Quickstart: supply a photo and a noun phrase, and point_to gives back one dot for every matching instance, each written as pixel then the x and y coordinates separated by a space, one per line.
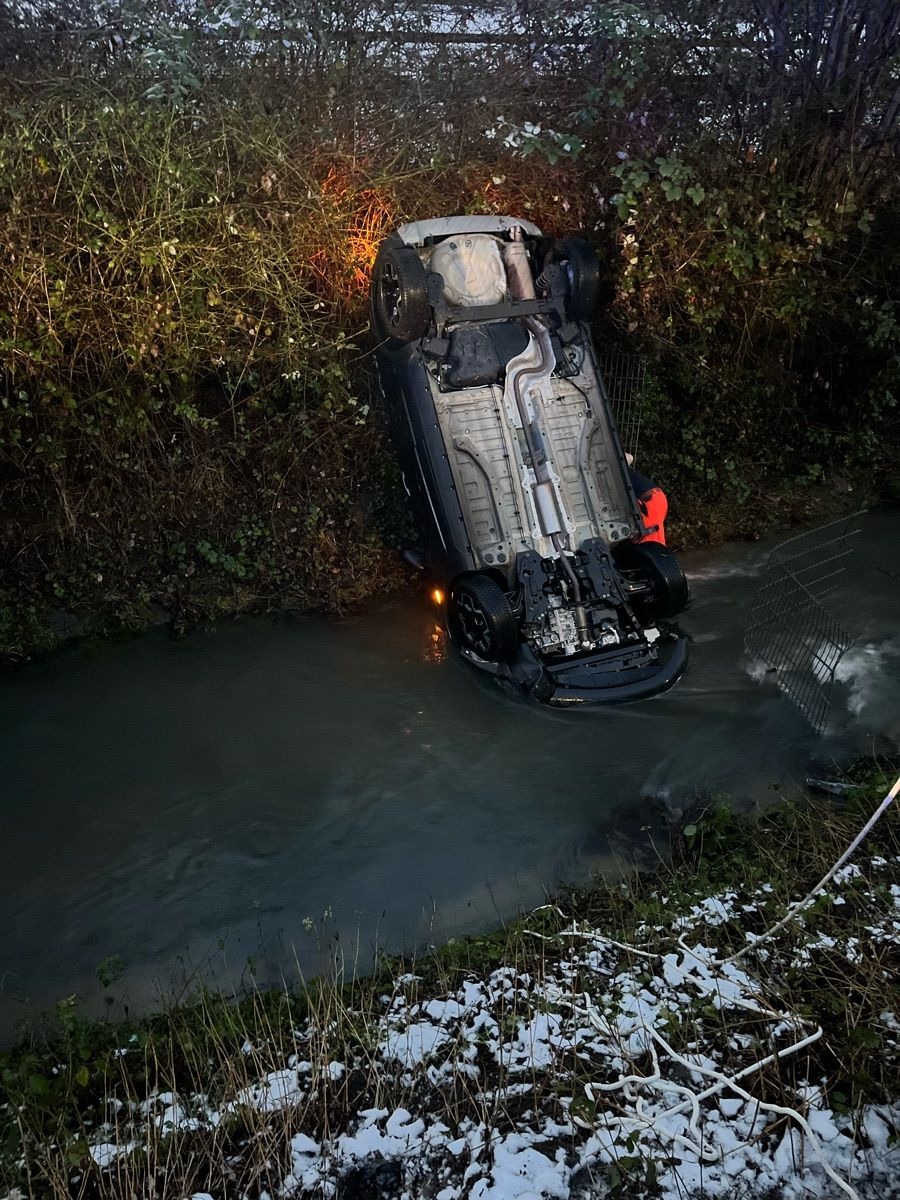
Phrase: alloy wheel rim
pixel 391 296
pixel 473 624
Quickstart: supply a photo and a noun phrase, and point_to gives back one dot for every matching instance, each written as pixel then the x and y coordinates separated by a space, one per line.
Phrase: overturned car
pixel 519 483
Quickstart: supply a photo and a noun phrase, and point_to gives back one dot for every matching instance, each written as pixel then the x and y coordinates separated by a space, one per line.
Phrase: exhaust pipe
pixel 544 494
pixel 518 272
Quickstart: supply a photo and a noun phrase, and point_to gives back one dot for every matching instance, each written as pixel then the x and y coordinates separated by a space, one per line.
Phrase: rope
pixel 826 879
pixel 629 1085
pixel 728 1081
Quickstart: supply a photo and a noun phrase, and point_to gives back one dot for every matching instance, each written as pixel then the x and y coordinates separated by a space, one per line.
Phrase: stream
pixel 277 792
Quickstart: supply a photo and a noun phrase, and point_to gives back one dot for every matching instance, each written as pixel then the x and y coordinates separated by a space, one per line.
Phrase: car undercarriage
pixel 497 407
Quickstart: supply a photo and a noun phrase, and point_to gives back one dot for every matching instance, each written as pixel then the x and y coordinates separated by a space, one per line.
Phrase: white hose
pixel 779 1109
pixel 630 1084
pixel 826 878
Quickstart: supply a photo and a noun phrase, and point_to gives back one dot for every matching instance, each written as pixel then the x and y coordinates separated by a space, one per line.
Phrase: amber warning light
pixel 437 596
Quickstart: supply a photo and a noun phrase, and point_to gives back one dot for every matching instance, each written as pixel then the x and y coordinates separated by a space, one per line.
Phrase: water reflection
pixel 435 645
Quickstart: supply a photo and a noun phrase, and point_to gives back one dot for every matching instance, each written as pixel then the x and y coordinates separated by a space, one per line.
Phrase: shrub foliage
pixel 191 201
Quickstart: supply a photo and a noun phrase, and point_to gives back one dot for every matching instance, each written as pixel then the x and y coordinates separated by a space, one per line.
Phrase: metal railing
pixel 790 629
pixel 624 376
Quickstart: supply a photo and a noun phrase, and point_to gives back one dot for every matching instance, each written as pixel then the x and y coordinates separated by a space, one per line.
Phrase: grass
pixel 788 849
pixel 78 1083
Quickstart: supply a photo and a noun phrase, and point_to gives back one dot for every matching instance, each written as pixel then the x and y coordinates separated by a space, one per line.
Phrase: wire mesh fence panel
pixel 790 629
pixel 624 376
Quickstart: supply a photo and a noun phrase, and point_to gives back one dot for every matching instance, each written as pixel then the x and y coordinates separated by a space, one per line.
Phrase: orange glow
pixel 355 217
pixel 434 650
pixel 437 596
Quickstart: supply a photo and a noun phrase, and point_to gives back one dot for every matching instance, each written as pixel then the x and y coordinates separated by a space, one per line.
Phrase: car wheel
pixel 582 270
pixel 481 619
pixel 668 594
pixel 400 308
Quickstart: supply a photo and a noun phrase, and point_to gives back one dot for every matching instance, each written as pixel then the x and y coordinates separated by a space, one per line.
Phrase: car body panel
pixel 487 462
pixel 417 233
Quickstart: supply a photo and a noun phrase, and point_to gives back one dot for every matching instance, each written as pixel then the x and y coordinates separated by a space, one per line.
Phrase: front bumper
pixel 611 677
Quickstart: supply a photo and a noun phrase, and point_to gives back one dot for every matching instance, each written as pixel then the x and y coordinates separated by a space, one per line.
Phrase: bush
pixel 187 387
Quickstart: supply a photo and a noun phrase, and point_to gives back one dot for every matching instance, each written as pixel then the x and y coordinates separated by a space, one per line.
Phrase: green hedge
pixel 189 418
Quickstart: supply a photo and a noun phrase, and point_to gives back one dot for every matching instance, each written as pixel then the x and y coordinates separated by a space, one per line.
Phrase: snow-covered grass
pixel 601 1046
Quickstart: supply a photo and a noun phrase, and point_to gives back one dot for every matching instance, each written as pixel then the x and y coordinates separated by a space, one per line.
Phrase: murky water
pixel 187 805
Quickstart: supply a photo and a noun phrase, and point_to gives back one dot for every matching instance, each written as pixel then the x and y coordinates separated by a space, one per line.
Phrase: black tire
pixel 668 594
pixel 481 619
pixel 400 311
pixel 582 269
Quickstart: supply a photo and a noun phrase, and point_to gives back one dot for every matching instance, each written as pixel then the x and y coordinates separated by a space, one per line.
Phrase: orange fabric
pixel 654 506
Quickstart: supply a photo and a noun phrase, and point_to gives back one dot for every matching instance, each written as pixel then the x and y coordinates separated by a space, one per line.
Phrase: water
pixel 282 789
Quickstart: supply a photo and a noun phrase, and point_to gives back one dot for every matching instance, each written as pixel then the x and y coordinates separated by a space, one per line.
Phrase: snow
pixel 522 1172
pixel 278 1090
pixel 877 1128
pixel 413 1044
pixel 401 1133
pixel 306 1166
pixel 657 1115
pixel 667 1075
pixel 104 1153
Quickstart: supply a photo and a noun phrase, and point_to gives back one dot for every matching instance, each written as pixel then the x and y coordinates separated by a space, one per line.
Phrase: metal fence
pixel 624 376
pixel 790 629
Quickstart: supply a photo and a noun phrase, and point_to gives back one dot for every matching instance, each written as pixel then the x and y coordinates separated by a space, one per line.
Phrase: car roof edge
pixel 415 233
